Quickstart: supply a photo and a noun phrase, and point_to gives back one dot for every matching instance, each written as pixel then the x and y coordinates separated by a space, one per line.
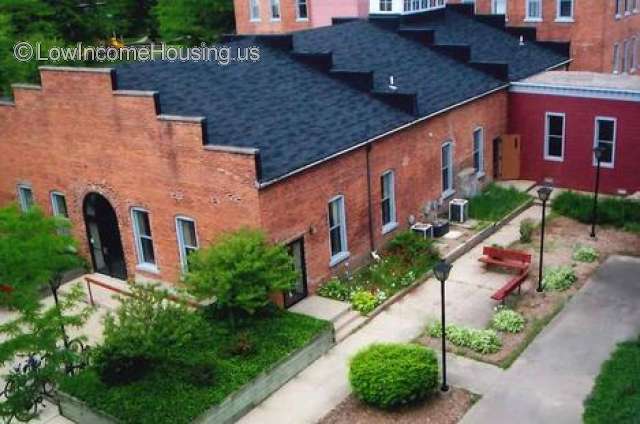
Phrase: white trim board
pixel 571 91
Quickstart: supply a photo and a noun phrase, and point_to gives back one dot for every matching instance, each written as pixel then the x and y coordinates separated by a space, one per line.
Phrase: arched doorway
pixel 103 234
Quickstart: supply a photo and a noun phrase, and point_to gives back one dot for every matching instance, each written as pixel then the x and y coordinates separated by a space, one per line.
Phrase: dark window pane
pixel 188 229
pixel 555 146
pixel 147 251
pixel 445 179
pixel 334 215
pixel 142 221
pixel 605 130
pixel 476 160
pixel 565 8
pixel 607 154
pixel 336 241
pixel 386 212
pixel 555 125
pixel 61 205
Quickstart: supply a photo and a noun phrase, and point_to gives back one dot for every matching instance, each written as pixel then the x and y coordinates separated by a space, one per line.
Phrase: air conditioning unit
pixel 458 210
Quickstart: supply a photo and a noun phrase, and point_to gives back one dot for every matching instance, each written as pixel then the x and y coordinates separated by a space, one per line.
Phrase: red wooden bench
pixel 5 288
pixel 510 259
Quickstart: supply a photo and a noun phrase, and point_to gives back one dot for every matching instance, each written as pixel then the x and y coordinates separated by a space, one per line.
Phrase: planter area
pixel 277 348
pixel 567 246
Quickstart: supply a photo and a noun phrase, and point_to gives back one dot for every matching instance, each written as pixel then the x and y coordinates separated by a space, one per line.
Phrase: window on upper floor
pixel 605 137
pixel 275 10
pixel 254 10
pixel 25 197
pixel 143 238
pixel 616 58
pixel 388 203
pixel 624 68
pixel 499 7
pixel 187 239
pixel 619 7
pixel 59 205
pixel 478 151
pixel 635 46
pixel 565 10
pixel 533 10
pixel 447 169
pixel 386 5
pixel 627 6
pixel 337 230
pixel 302 11
pixel 554 136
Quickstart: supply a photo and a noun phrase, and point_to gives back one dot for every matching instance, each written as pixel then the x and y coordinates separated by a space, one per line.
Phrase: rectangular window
pixel 275 10
pixel 534 12
pixel 478 151
pixel 59 205
pixel 337 230
pixel 565 9
pixel 605 136
pixel 301 10
pixel 619 7
pixel 625 57
pixel 554 136
pixel 144 241
pixel 616 58
pixel 447 169
pixel 254 9
pixel 386 5
pixel 499 7
pixel 25 197
pixel 187 239
pixel 387 183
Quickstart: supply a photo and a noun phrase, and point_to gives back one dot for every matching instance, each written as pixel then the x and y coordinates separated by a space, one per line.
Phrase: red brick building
pixel 604 34
pixel 562 116
pixel 328 161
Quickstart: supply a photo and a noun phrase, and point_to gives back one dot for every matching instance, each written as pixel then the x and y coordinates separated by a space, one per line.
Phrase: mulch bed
pixel 441 408
pixel 561 236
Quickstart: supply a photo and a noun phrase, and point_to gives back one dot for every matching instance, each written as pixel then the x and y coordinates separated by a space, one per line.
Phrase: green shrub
pixel 508 321
pixel 585 254
pixel 364 302
pixel 526 230
pixel 620 213
pixel 481 341
pixel 558 278
pixel 495 202
pixel 416 252
pixel 335 289
pixel 390 375
pixel 616 394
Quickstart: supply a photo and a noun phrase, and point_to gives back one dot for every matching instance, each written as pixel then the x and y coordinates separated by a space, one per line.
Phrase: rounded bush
pixel 389 375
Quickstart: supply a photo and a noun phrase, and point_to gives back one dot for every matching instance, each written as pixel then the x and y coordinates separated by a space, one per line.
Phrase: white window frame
pixel 494 6
pixel 344 253
pixel 137 237
pixel 480 172
pixel 385 5
pixel 616 58
pixel 624 63
pixel 559 8
pixel 528 17
pixel 306 6
pixel 450 190
pixel 619 8
pixel 272 5
pixel 54 206
pixel 596 141
pixel 22 200
pixel 391 198
pixel 547 115
pixel 182 246
pixel 254 6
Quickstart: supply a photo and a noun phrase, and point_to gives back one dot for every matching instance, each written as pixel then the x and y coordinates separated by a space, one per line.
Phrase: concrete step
pixel 348 325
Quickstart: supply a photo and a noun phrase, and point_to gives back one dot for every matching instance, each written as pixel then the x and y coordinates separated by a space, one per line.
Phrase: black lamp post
pixel 441 270
pixel 598 153
pixel 544 193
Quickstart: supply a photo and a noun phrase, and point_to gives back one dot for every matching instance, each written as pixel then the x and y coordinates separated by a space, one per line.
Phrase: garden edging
pixel 235 405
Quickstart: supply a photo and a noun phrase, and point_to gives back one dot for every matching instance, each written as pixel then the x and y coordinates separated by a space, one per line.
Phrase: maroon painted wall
pixel 527 118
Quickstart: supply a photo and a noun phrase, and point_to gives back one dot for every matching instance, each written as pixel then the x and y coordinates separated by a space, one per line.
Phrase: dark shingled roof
pixel 297 114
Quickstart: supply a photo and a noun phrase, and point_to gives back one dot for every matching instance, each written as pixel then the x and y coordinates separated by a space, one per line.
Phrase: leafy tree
pixel 190 22
pixel 131 17
pixel 34 252
pixel 80 21
pixel 240 271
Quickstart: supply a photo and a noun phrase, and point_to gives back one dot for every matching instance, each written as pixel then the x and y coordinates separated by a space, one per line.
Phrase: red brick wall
pixel 527 118
pixel 298 206
pixel 287 22
pixel 76 135
pixel 592 35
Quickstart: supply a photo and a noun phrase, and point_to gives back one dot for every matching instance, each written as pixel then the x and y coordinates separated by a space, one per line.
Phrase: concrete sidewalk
pixel 319 388
pixel 550 381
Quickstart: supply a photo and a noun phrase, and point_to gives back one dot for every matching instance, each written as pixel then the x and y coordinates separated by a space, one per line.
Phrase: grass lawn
pixel 615 212
pixel 168 394
pixel 616 395
pixel 495 202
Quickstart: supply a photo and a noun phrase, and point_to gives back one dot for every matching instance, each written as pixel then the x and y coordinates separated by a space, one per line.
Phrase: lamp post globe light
pixel 544 193
pixel 441 271
pixel 598 152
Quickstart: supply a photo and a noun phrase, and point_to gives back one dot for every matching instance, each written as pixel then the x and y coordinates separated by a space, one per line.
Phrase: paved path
pixel 549 382
pixel 320 387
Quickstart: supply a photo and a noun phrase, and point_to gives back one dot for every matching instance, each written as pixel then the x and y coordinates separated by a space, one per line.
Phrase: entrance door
pixel 104 236
pixel 299 291
pixel 510 157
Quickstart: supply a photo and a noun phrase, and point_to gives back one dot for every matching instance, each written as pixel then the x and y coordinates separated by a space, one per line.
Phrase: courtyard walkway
pixel 319 388
pixel 551 379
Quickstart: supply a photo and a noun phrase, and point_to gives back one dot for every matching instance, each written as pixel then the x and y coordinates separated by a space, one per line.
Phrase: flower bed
pixel 173 394
pixel 407 257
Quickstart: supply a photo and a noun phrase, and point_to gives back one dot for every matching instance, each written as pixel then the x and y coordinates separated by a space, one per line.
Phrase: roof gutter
pixel 378 137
